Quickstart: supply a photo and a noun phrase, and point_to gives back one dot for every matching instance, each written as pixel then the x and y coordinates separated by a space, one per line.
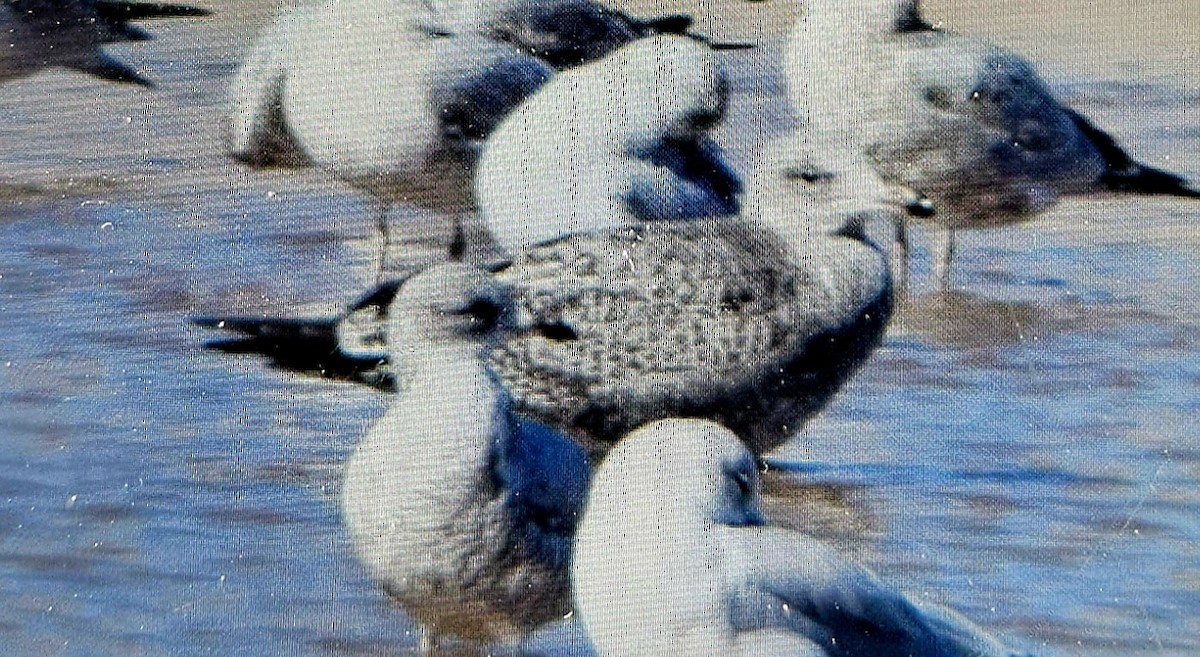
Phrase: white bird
pixel 397 98
pixel 41 34
pixel 969 127
pixel 354 87
pixel 462 511
pixel 613 143
pixel 672 557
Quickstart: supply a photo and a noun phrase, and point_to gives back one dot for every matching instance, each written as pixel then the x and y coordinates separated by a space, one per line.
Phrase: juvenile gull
pixel 614 143
pixel 966 125
pixel 41 34
pixel 460 509
pixel 755 322
pixel 672 557
pixel 716 318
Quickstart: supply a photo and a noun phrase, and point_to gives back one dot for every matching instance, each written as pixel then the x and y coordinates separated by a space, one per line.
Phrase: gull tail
pixel 305 346
pixel 107 68
pixel 257 130
pixel 121 11
pixel 1142 179
pixel 1125 175
pixel 681 25
pixel 665 24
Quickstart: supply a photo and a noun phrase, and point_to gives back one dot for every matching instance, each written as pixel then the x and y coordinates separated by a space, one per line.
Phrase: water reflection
pixel 965 320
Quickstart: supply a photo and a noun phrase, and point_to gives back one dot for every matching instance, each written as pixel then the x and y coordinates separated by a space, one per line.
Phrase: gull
pixel 397 98
pixel 42 34
pixel 614 143
pixel 969 127
pixel 353 87
pixel 672 557
pixel 717 318
pixel 460 509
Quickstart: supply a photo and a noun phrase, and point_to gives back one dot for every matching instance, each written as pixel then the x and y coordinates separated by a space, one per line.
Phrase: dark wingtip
pixel 122 11
pixel 730 45
pixel 309 359
pixel 668 24
pixel 1142 179
pixel 910 19
pixel 381 296
pixel 304 346
pixel 1125 175
pixel 133 33
pixel 271 327
pixel 112 70
pixel 236 324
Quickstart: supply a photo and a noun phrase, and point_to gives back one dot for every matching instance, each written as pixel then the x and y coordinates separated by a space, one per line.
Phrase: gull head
pixel 666 85
pixel 801 189
pixel 699 470
pixel 451 304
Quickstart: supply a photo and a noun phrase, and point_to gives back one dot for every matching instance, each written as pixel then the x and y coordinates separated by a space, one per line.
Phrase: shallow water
pixel 1022 450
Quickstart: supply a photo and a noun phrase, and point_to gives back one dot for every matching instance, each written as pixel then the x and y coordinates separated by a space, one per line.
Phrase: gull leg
pixel 458 243
pixel 428 642
pixel 945 256
pixel 383 208
pixel 900 257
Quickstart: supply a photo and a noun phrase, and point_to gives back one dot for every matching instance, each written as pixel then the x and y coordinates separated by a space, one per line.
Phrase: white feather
pixel 672 558
pixel 591 150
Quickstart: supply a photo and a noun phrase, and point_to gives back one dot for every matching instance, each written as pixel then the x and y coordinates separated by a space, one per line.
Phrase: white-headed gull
pixel 461 510
pixel 969 127
pixel 613 143
pixel 673 558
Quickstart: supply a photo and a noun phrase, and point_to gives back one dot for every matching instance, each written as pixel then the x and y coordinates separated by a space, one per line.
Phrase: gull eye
pixel 807 175
pixel 485 311
pixel 558 331
pixel 941 97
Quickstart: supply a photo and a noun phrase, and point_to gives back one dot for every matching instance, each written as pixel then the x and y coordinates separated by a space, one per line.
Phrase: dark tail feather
pixel 121 11
pixel 274 328
pixel 305 346
pixel 668 24
pixel 381 296
pixel 106 68
pixel 1126 175
pixel 1142 179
